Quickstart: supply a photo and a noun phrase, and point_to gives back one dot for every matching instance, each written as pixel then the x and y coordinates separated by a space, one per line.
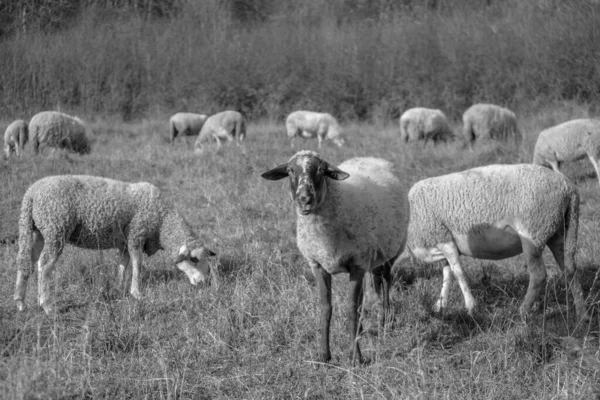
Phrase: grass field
pixel 252 332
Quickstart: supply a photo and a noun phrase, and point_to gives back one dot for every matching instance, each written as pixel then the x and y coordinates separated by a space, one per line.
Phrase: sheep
pixel 489 121
pixel 188 124
pixel 99 213
pixel 58 130
pixel 425 124
pixel 350 219
pixel 310 124
pixel 569 141
pixel 16 137
pixel 222 126
pixel 495 212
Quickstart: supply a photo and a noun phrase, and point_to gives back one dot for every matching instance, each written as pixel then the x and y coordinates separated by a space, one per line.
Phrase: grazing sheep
pixel 489 121
pixel 569 141
pixel 16 137
pixel 58 130
pixel 222 126
pixel 99 213
pixel 350 219
pixel 425 124
pixel 495 212
pixel 310 124
pixel 188 124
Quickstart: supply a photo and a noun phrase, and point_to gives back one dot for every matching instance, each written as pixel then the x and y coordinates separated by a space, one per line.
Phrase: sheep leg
pixel 319 139
pixel 46 264
pixel 447 280
pixel 382 278
pixel 23 273
pixel 135 253
pixel 450 251
pixel 323 279
pixel 566 261
pixel 537 275
pixel 123 263
pixel 594 162
pixel 352 316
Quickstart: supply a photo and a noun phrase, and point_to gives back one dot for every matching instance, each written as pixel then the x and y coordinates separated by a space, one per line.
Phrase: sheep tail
pixel 26 226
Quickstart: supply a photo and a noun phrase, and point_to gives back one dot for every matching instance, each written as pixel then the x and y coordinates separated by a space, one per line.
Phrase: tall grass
pixel 307 55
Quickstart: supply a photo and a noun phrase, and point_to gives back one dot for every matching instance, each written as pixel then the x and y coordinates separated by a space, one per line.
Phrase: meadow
pixel 251 333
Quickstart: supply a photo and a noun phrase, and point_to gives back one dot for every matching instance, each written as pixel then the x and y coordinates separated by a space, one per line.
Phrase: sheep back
pixel 58 130
pixel 568 141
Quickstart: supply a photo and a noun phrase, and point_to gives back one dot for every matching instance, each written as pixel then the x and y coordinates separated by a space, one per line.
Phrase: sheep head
pixel 194 263
pixel 307 172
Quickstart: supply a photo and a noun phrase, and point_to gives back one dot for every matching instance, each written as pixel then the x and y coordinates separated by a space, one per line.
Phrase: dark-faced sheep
pixel 99 213
pixel 350 219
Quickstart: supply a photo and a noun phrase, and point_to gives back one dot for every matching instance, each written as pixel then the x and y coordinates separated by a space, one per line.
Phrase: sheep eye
pixel 194 259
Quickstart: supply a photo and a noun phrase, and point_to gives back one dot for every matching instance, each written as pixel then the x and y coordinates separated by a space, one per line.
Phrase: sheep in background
pixel 225 125
pixel 495 212
pixel 58 130
pixel 16 137
pixel 310 124
pixel 99 213
pixel 186 124
pixel 350 219
pixel 569 141
pixel 425 124
pixel 489 121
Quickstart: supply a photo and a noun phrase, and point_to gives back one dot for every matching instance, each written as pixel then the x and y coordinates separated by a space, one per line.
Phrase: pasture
pixel 252 332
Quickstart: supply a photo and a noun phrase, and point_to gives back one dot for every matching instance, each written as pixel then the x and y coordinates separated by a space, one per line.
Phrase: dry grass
pixel 252 332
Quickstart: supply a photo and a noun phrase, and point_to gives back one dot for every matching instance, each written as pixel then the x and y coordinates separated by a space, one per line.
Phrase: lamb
pixel 489 121
pixel 569 141
pixel 16 137
pixel 58 130
pixel 188 124
pixel 99 213
pixel 425 124
pixel 310 124
pixel 495 212
pixel 222 126
pixel 350 219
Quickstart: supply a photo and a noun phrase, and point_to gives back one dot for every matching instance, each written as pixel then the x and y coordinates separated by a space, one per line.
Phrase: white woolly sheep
pixel 310 124
pixel 425 124
pixel 186 124
pixel 16 137
pixel 58 130
pixel 489 121
pixel 225 125
pixel 99 213
pixel 495 212
pixel 569 141
pixel 350 219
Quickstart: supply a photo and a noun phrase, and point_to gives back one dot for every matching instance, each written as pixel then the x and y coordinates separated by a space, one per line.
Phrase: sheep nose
pixel 305 199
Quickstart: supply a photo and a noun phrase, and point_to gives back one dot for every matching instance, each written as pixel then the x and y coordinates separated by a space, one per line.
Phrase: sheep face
pixel 307 172
pixel 194 263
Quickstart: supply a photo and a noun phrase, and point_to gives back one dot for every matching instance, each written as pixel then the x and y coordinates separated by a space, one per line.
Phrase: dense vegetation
pixel 356 59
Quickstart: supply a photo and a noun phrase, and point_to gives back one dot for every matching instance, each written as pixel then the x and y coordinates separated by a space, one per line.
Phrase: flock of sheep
pixel 354 218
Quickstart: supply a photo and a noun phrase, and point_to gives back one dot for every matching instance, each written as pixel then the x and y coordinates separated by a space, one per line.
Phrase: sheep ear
pixel 277 173
pixel 208 253
pixel 335 173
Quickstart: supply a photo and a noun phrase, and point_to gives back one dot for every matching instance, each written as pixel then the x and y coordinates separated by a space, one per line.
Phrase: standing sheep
pixel 425 124
pixel 99 213
pixel 225 125
pixel 16 137
pixel 350 219
pixel 310 124
pixel 569 141
pixel 187 124
pixel 489 121
pixel 58 130
pixel 495 212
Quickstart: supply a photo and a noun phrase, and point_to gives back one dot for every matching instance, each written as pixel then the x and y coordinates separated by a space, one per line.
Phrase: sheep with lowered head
pixel 222 126
pixel 99 213
pixel 425 124
pixel 569 141
pixel 310 124
pixel 489 121
pixel 495 212
pixel 16 137
pixel 186 124
pixel 350 219
pixel 58 130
